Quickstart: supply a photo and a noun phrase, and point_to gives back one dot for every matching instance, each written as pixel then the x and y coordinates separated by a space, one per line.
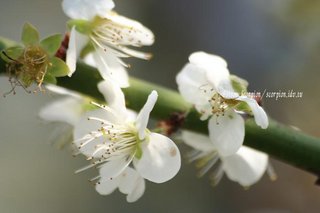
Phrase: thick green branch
pixel 281 142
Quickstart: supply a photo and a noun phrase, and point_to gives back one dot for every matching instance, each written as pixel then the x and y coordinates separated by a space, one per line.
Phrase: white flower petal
pixel 86 9
pixel 193 85
pixel 137 191
pixel 67 110
pixel 107 186
pixel 62 91
pixel 227 132
pixel 112 169
pixel 128 178
pixel 215 67
pixel 246 166
pixel 130 32
pixel 132 184
pixel 110 67
pixel 197 141
pixel 131 116
pixel 160 159
pixel 114 98
pixel 226 90
pixel 76 42
pixel 203 59
pixel 143 116
pixel 260 115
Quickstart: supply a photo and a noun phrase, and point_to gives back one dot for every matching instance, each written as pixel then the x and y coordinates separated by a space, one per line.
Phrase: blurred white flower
pixel 87 9
pixel 205 82
pixel 129 182
pixel 113 138
pixel 67 109
pixel 106 35
pixel 65 112
pixel 246 166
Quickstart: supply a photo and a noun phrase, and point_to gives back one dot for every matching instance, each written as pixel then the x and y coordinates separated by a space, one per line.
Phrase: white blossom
pixel 205 82
pixel 114 137
pixel 129 182
pixel 67 109
pixel 64 113
pixel 246 166
pixel 108 33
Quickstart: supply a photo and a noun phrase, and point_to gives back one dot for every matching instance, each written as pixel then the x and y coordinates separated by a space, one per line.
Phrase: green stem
pixel 280 141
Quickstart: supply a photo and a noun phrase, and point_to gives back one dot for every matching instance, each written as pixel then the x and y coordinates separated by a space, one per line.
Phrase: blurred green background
pixel 274 44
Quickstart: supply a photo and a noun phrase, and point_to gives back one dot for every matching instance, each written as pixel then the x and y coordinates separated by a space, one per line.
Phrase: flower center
pixel 111 142
pixel 120 140
pixel 217 104
pixel 112 35
pixel 35 62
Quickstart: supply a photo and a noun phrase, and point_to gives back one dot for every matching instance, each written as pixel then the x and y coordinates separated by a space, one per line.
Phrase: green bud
pixel 36 61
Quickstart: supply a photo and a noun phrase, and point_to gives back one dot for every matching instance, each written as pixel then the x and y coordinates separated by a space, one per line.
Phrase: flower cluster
pixel 114 139
pixel 117 141
pixel 205 82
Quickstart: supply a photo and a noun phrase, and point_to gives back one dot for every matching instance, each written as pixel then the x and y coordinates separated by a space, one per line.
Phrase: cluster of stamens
pixel 206 161
pixel 30 67
pixel 218 104
pixel 119 141
pixel 109 35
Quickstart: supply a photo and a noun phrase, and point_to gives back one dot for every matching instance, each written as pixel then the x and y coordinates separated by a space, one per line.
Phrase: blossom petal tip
pixel 154 94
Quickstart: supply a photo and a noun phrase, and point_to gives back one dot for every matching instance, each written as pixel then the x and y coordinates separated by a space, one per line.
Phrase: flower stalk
pixel 280 141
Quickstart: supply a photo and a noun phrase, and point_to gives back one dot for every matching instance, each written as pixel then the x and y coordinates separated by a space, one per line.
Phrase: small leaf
pixel 48 78
pixel 6 43
pixel 58 67
pixel 51 44
pixel 11 54
pixel 30 35
pixel 239 85
pixel 82 26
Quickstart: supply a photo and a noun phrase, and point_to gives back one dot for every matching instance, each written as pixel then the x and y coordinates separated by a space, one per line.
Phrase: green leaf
pixel 48 78
pixel 11 54
pixel 51 44
pixel 30 35
pixel 58 67
pixel 239 85
pixel 82 26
